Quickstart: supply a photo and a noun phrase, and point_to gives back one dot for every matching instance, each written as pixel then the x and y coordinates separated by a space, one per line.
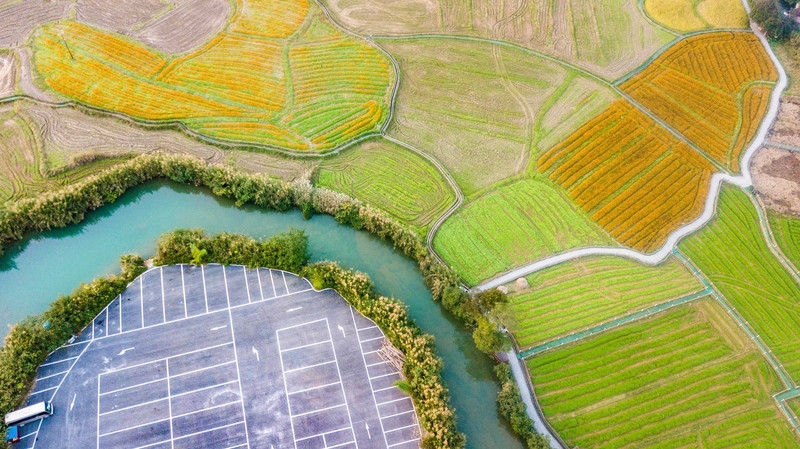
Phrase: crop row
pixel 390 177
pixel 733 254
pixel 337 92
pixel 254 77
pixel 512 225
pixel 269 18
pixel 754 107
pixel 699 86
pixel 575 295
pixel 633 177
pixel 656 382
pixel 787 234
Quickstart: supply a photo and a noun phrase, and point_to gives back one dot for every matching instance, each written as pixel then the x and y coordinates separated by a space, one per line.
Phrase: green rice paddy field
pixel 732 253
pixel 683 378
pixel 392 178
pixel 514 224
pixel 786 230
pixel 579 294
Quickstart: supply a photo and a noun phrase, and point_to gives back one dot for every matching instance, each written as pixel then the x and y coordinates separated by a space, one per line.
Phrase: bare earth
pixel 776 175
pixel 68 134
pixel 187 26
pixel 17 19
pixel 122 16
pixel 26 83
pixel 8 74
pixel 786 129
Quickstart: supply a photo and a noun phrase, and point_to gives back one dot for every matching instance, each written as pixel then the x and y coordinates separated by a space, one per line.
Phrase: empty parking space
pixel 223 357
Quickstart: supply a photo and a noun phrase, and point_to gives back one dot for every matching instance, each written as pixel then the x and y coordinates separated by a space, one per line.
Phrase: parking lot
pixel 223 357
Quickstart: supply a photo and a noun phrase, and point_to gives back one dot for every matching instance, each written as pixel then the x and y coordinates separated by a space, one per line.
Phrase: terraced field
pixel 713 88
pixel 573 296
pixel 483 110
pixel 684 378
pixel 732 253
pixel 631 176
pixel 794 405
pixel 392 178
pixel 693 15
pixel 516 223
pixel 251 83
pixel 609 38
pixel 786 230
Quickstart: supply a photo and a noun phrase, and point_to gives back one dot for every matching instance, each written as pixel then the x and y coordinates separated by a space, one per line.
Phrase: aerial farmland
pixel 505 223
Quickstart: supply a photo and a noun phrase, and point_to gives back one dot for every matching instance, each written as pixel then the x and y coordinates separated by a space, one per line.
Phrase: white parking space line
pixel 211 430
pixel 169 404
pixel 301 325
pixel 285 285
pixel 260 288
pixel 285 386
pixel 310 366
pixel 313 388
pixel 403 442
pixel 205 409
pixel 132 427
pixel 183 287
pixel 246 284
pixel 236 357
pixel 397 414
pixel 344 393
pixel 372 339
pixel 395 400
pixel 382 362
pixel 163 302
pixel 141 297
pixel 384 375
pixel 128 388
pixel 202 389
pixel 38 428
pixel 315 411
pixel 364 359
pixel 52 375
pixel 272 281
pixel 322 434
pixel 384 389
pixel 305 346
pixel 133 406
pixel 363 328
pixel 205 294
pixel 204 368
pixel 401 428
pixel 338 445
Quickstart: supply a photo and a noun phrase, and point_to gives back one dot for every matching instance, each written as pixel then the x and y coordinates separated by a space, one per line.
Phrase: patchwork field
pixel 732 254
pixel 575 295
pixel 483 135
pixel 251 83
pixel 391 178
pixel 608 38
pixel 514 224
pixel 693 15
pixel 631 176
pixel 786 230
pixel 713 88
pixel 684 378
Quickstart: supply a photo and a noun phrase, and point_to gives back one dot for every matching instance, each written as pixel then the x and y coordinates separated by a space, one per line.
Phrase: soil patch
pixel 776 176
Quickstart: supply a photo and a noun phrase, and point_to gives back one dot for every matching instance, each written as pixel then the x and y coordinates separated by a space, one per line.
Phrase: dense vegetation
pixel 786 230
pixel 770 16
pixel 513 409
pixel 575 295
pixel 684 378
pixel 732 253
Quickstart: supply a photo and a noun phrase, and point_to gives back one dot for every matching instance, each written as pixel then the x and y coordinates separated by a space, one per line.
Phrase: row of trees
pixel 774 17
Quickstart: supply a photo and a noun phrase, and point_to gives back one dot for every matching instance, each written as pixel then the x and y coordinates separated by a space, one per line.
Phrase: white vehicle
pixel 30 413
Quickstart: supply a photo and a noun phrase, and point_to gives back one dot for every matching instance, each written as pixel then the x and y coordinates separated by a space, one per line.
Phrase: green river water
pixel 34 272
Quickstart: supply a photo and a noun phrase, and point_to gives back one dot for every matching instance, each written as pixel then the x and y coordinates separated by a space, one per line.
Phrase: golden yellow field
pixel 701 87
pixel 693 15
pixel 632 176
pixel 280 76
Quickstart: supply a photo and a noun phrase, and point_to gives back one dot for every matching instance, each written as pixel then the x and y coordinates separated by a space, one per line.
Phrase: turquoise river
pixel 37 270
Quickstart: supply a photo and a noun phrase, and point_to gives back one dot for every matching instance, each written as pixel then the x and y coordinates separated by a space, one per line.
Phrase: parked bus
pixel 30 413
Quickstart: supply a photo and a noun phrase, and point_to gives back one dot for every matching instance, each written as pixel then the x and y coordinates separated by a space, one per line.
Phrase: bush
pixel 510 405
pixel 770 16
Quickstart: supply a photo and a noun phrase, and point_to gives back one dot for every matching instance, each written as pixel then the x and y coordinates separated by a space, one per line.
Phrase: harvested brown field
pixel 186 26
pixel 20 167
pixel 776 177
pixel 17 19
pixel 8 74
pixel 68 135
pixel 786 129
pixel 608 38
pixel 120 16
pixel 26 84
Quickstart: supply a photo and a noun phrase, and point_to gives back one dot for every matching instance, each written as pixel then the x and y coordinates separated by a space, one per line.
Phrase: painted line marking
pixel 310 366
pixel 255 351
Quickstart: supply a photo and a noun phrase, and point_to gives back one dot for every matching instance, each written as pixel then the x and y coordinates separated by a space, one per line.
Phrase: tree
pixel 772 18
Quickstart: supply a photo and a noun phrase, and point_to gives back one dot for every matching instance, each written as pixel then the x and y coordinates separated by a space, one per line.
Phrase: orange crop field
pixel 633 177
pixel 713 88
pixel 279 76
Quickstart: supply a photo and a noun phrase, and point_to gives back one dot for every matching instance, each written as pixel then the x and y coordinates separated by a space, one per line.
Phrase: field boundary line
pixel 744 180
pixel 592 331
pixel 782 146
